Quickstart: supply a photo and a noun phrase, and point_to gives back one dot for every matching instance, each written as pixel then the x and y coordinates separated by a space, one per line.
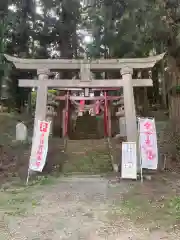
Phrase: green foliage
pixel 133 28
pixel 4 66
pixel 34 94
pixel 142 207
pixel 31 34
pixel 119 29
pixel 174 206
pixel 17 199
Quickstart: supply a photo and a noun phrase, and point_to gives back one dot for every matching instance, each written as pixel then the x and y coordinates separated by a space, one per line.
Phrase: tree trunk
pixel 174 96
pixel 155 78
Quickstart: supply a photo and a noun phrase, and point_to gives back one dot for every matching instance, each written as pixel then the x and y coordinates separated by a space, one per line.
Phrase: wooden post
pixel 119 109
pixel 164 87
pixel 129 105
pixel 63 123
pixel 109 122
pixel 106 130
pixel 66 114
pixel 29 103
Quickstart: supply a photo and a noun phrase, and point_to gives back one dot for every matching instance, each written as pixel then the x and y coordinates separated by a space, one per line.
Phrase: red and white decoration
pixel 148 143
pixel 39 146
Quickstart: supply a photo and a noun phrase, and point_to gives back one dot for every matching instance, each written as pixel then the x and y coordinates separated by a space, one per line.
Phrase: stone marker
pixel 122 123
pixel 21 132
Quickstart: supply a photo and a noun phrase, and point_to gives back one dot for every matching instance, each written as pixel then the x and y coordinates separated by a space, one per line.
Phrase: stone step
pixel 86 143
pixel 78 137
pixel 86 128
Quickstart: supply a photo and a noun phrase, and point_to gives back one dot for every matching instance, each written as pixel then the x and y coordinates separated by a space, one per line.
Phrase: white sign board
pixel 129 160
pixel 148 143
pixel 39 146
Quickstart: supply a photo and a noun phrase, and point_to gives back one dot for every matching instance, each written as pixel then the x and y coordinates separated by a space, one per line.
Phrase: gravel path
pixel 78 208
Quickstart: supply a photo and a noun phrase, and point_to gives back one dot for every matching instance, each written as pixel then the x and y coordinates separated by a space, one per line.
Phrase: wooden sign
pixel 129 160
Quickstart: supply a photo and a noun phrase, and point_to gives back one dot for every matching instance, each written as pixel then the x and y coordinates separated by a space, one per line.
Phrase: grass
pixel 151 212
pixel 174 207
pixel 17 199
pixel 91 162
pixel 43 181
pixel 15 203
pixel 8 123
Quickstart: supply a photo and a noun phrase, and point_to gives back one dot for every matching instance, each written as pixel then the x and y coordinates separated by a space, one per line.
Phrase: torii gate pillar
pixel 41 99
pixel 129 105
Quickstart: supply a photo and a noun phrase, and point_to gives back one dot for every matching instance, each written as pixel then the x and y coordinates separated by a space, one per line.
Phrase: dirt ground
pixel 81 207
pixel 84 207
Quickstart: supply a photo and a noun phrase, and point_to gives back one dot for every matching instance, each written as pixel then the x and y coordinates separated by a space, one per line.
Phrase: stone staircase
pixel 86 128
pixel 87 156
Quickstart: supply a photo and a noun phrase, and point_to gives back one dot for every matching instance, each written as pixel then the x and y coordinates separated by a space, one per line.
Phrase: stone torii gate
pixel 126 66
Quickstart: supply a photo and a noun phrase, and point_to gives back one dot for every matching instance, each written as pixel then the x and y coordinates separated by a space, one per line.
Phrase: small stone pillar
pixel 49 116
pixel 122 124
pixel 21 131
pixel 129 105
